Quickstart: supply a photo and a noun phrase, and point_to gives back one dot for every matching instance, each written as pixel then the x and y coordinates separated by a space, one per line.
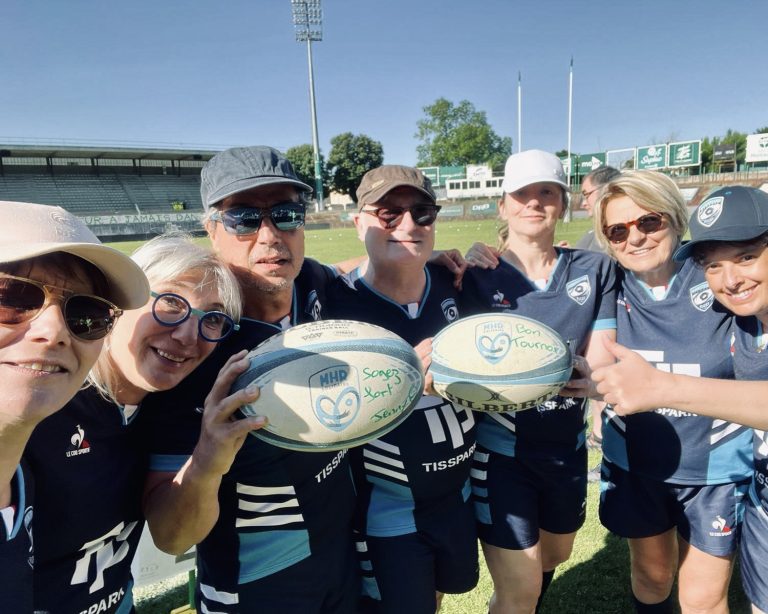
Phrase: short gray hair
pixel 175 255
pixel 170 257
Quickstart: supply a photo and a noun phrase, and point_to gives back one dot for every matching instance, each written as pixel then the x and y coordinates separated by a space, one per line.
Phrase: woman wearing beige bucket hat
pixel 88 460
pixel 61 292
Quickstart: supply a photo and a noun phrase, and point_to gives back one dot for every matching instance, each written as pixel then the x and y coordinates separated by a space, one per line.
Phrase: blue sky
pixel 229 72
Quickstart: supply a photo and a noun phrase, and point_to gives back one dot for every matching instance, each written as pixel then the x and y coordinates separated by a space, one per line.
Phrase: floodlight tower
pixel 308 23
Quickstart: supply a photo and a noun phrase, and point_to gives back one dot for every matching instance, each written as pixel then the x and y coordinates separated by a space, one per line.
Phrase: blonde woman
pixel 673 482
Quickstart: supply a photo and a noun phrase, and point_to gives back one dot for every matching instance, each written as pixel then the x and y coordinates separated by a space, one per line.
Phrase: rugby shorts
pixel 706 516
pixel 516 498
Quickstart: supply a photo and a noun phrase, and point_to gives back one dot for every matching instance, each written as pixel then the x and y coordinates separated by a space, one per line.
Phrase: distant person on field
pixel 590 192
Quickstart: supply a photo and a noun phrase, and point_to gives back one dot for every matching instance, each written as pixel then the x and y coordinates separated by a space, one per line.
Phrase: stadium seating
pixel 103 194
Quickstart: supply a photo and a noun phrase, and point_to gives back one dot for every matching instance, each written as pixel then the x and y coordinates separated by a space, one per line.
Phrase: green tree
pixel 763 130
pixel 458 134
pixel 302 158
pixel 732 137
pixel 351 157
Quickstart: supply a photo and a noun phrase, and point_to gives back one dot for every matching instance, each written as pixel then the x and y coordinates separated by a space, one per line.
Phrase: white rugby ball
pixel 499 362
pixel 332 384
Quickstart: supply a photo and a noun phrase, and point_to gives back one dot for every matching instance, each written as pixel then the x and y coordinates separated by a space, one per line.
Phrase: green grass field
pixel 596 578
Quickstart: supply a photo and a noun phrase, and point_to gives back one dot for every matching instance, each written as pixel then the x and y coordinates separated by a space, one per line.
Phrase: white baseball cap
pixel 28 230
pixel 532 166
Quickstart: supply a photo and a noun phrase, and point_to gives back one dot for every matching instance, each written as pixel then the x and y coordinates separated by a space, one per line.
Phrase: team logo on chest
pixel 702 297
pixel 579 289
pixel 709 211
pixel 335 396
pixel 450 310
pixel 78 443
pixel 499 300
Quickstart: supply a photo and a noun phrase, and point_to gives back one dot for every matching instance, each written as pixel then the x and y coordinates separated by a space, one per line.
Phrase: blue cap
pixel 733 213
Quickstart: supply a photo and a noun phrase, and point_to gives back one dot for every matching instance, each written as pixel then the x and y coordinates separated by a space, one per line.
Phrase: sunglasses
pixel 88 317
pixel 422 215
pixel 244 220
pixel 171 309
pixel 618 233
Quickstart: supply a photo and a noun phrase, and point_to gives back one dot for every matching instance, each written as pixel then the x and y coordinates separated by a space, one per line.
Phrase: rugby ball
pixel 332 384
pixel 499 362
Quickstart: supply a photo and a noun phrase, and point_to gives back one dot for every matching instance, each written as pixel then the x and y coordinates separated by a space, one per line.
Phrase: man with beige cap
pixel 61 292
pixel 412 483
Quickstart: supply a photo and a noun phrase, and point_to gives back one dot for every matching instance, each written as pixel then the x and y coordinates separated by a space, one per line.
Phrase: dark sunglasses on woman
pixel 88 317
pixel 648 223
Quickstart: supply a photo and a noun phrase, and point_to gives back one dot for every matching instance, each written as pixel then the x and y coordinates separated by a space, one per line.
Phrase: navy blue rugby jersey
pixel 579 297
pixel 686 332
pixel 89 469
pixel 422 466
pixel 16 553
pixel 277 506
pixel 750 362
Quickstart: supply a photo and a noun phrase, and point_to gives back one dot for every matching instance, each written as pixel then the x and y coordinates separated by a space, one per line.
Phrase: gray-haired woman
pixel 87 460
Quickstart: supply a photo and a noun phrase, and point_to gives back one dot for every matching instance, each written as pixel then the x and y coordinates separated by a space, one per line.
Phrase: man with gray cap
pixel 273 525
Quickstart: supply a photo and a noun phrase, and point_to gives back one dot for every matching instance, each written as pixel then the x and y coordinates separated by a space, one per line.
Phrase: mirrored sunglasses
pixel 170 309
pixel 618 233
pixel 390 217
pixel 243 220
pixel 87 317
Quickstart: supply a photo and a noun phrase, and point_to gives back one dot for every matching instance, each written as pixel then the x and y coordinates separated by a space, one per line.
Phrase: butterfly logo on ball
pixel 336 401
pixel 492 341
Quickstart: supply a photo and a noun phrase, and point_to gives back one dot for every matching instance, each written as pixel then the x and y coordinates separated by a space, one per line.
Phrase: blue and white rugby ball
pixel 499 362
pixel 332 384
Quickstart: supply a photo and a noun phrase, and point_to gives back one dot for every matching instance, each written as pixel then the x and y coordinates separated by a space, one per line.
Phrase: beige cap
pixel 377 182
pixel 28 230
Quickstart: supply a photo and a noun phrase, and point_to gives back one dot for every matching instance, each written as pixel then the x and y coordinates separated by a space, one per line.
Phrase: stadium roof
pixel 115 153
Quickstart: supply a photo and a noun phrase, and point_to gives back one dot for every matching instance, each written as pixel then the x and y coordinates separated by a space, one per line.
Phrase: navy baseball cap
pixel 733 213
pixel 243 168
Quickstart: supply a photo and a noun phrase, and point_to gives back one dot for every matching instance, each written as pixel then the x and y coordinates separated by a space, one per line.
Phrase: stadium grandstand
pixel 120 192
pixel 126 193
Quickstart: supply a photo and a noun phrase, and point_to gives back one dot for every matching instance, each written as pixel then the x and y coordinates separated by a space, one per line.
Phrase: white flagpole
pixel 570 116
pixel 519 113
